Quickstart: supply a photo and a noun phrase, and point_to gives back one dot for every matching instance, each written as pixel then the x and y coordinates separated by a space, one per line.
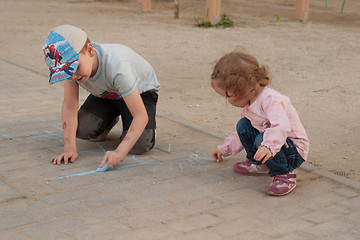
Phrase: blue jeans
pixel 285 161
pixel 97 114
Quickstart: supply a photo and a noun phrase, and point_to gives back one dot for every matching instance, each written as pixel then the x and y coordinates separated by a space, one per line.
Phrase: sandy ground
pixel 315 63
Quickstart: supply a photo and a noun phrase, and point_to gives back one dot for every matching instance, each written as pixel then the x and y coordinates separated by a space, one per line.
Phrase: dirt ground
pixel 315 63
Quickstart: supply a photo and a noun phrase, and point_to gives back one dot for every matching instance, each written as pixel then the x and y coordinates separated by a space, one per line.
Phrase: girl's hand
pixel 113 158
pixel 66 156
pixel 217 155
pixel 263 154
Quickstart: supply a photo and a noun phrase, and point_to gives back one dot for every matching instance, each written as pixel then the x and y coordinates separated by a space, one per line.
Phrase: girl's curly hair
pixel 240 71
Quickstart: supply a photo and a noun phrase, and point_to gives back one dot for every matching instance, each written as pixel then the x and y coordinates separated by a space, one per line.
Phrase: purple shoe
pixel 248 168
pixel 282 184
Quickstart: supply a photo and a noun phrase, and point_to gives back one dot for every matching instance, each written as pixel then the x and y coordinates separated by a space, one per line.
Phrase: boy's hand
pixel 263 154
pixel 66 156
pixel 217 155
pixel 113 158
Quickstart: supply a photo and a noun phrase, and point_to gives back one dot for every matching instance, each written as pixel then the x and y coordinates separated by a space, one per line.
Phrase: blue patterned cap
pixel 61 51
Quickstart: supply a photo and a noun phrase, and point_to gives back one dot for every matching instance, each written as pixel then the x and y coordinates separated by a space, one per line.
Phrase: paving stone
pixel 251 235
pixel 8 193
pixel 347 192
pixel 356 231
pixel 57 211
pixel 154 233
pixel 99 215
pixel 144 204
pixel 116 185
pixel 191 223
pixel 237 210
pixel 55 236
pixel 109 198
pixel 19 206
pixel 71 195
pixel 208 234
pixel 328 229
pixel 157 188
pixel 326 214
pixel 354 217
pixel 232 228
pixel 95 231
pixel 12 235
pixel 285 226
pixel 49 227
pixel 72 182
pixel 15 221
pixel 353 203
pixel 343 236
pixel 152 216
pixel 299 235
pixel 17 165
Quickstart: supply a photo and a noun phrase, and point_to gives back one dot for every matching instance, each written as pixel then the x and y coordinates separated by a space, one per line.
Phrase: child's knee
pixel 145 142
pixel 258 140
pixel 88 125
pixel 242 124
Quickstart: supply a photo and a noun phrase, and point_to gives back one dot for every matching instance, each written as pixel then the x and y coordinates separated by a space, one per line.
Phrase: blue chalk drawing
pixel 5 135
pixel 164 150
pixel 104 168
pixel 46 138
pixel 192 159
pixel 79 174
pixel 54 139
pixel 97 143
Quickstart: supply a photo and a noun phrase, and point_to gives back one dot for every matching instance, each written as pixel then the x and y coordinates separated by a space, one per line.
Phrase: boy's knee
pixel 145 142
pixel 88 125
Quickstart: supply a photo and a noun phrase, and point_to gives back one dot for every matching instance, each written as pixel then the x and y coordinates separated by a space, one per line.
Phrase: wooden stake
pixel 213 10
pixel 302 9
pixel 177 9
pixel 145 5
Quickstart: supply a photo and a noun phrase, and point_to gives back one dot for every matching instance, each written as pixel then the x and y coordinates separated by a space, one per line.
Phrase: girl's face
pixel 245 99
pixel 86 65
pixel 218 86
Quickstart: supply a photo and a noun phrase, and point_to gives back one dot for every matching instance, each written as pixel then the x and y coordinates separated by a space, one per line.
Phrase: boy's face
pixel 85 66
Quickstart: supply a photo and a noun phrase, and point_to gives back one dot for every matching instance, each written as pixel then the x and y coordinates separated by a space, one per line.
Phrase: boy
pixel 120 83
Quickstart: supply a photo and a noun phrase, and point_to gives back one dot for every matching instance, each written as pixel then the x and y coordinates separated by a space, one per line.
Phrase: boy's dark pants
pixel 98 114
pixel 285 161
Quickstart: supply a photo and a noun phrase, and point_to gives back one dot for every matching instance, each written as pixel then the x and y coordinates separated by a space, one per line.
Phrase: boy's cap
pixel 61 51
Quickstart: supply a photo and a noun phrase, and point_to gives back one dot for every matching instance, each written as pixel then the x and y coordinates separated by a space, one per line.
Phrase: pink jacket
pixel 273 114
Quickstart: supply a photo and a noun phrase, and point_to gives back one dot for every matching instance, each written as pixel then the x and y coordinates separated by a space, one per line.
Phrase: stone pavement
pixel 176 191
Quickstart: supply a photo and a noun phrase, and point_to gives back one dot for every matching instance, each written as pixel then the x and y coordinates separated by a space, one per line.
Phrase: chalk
pixel 103 168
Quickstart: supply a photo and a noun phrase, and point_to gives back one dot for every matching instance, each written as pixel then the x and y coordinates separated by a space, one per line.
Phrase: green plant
pixel 224 22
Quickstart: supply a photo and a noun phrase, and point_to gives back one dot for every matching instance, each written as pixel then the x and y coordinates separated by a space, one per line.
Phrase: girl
pixel 269 128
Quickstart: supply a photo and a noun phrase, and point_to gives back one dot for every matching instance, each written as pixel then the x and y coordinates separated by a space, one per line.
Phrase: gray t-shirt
pixel 120 71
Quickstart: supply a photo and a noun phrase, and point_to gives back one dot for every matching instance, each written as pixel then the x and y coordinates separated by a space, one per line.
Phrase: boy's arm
pixel 69 122
pixel 140 119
